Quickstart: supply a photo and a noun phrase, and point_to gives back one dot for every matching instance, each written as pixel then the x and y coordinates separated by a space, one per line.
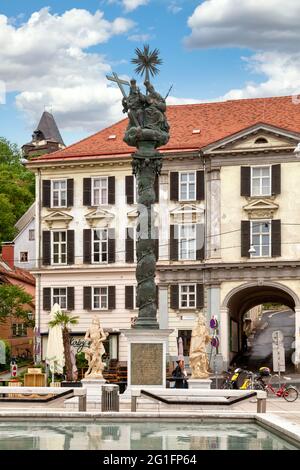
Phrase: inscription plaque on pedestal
pixel 146 363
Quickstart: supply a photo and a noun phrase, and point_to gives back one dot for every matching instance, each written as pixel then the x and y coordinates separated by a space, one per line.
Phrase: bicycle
pixel 288 392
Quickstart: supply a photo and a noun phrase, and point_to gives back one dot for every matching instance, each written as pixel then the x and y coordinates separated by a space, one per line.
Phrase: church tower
pixel 45 139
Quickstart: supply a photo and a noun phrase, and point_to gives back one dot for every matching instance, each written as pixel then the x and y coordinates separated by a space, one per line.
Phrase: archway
pixel 258 351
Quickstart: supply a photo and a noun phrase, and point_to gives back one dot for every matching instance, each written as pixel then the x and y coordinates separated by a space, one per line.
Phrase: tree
pixel 16 189
pixel 14 301
pixel 64 320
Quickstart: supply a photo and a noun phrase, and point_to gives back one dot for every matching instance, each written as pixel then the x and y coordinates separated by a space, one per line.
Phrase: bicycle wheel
pixel 227 386
pixel 290 394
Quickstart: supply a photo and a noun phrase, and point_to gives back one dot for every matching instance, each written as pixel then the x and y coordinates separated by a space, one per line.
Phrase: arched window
pixel 261 140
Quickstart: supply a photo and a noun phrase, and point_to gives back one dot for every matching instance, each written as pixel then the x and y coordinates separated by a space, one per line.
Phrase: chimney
pixel 8 254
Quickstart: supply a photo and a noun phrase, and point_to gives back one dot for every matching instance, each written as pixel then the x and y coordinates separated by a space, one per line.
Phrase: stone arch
pixel 261 292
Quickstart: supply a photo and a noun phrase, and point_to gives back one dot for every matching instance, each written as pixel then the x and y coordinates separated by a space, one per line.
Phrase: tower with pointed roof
pixel 45 139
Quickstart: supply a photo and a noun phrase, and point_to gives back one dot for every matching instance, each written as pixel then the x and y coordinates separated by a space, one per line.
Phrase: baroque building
pixel 226 220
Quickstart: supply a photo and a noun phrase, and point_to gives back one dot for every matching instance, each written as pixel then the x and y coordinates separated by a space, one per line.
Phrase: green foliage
pixel 64 320
pixel 81 362
pixel 12 302
pixel 16 189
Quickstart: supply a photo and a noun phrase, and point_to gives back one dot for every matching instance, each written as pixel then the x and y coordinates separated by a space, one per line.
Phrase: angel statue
pixel 198 356
pixel 95 336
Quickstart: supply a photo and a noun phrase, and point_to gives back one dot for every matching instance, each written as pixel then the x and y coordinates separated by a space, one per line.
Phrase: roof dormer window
pixel 261 140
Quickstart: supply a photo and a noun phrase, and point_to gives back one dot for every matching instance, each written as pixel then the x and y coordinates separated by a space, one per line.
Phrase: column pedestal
pixel 200 383
pixel 146 365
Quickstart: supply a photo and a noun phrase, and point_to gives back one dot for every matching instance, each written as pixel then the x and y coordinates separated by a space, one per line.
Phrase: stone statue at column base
pixel 95 335
pixel 198 356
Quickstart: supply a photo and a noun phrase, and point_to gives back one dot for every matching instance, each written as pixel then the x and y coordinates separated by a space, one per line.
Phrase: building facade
pixel 226 220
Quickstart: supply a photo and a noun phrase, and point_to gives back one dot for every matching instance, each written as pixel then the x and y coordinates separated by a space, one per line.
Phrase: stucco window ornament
pixel 261 209
pixel 58 220
pixel 99 216
pixel 187 213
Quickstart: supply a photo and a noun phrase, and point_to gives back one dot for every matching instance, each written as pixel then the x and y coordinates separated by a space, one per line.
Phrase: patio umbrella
pixel 55 356
pixel 180 349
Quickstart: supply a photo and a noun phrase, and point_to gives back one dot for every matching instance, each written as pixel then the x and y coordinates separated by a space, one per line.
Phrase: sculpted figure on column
pixel 95 335
pixel 198 356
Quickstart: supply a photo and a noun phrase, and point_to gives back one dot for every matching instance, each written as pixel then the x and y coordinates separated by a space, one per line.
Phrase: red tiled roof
pixel 16 273
pixel 215 120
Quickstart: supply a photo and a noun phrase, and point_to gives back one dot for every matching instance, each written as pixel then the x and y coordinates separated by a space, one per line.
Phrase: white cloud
pixel 270 28
pixel 140 37
pixel 269 24
pixel 131 5
pixel 174 100
pixel 46 61
pixel 174 8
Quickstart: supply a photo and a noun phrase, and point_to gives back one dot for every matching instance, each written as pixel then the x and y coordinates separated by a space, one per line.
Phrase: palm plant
pixel 64 320
pixel 147 61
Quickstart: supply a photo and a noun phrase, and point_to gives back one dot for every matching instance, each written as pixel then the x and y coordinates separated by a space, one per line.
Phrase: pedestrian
pixel 180 375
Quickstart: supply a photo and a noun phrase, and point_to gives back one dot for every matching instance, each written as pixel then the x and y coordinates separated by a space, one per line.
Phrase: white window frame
pixel 21 261
pixel 21 327
pixel 60 248
pixel 63 180
pixel 189 306
pixel 100 203
pixel 269 222
pixel 93 298
pixel 134 297
pixel 100 246
pixel 260 178
pixel 59 296
pixel 31 234
pixel 188 185
pixel 180 228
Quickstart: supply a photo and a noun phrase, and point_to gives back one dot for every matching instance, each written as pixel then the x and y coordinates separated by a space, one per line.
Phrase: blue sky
pixel 55 55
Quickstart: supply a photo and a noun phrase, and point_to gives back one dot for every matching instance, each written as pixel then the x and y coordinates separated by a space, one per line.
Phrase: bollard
pixel 82 403
pixel 261 405
pixel 133 403
pixel 110 400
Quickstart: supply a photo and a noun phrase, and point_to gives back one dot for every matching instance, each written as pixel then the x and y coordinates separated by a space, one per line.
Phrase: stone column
pixel 214 213
pixel 163 314
pixel 224 334
pixel 296 357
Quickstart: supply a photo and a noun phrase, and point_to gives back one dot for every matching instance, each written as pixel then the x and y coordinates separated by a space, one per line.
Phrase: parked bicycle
pixel 288 392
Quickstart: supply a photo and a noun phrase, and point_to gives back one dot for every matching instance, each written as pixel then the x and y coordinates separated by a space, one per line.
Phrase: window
pixel 261 140
pixel 187 186
pixel 100 246
pixel 186 336
pixel 261 181
pixel 99 191
pixel 187 296
pixel 59 296
pixel 31 235
pixel 187 242
pixel 134 297
pixel 19 329
pixel 59 247
pixel 135 190
pixel 59 193
pixel 261 238
pixel 100 298
pixel 23 256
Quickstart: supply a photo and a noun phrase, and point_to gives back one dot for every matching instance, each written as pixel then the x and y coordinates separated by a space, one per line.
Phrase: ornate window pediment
pixel 260 208
pixel 187 213
pixel 99 217
pixel 58 219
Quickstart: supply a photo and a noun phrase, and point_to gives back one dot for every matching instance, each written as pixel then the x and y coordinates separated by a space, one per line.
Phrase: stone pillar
pixel 163 314
pixel 224 334
pixel 296 357
pixel 214 214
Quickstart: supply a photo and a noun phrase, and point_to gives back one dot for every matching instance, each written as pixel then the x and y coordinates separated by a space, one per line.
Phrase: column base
pixel 200 383
pixel 147 355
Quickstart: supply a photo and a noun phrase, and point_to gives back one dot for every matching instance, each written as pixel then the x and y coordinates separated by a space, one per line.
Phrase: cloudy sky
pixel 55 54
